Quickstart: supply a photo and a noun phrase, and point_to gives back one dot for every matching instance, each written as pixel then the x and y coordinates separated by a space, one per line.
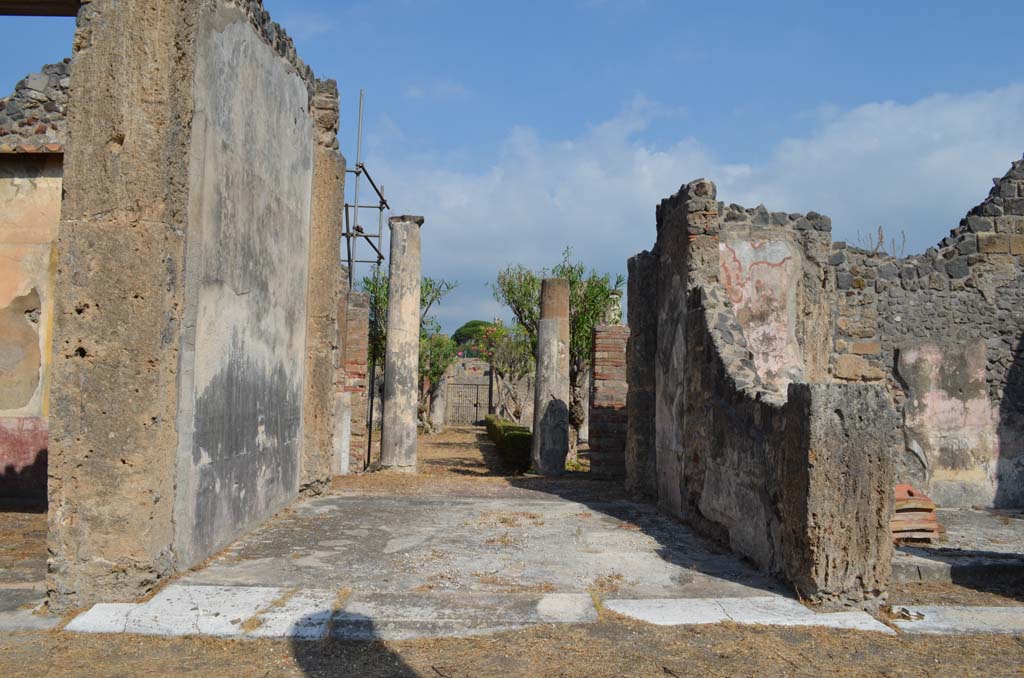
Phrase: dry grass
pixel 612 647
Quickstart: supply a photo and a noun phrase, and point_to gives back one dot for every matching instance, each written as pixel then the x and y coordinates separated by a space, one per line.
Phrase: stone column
pixel 402 347
pixel 551 396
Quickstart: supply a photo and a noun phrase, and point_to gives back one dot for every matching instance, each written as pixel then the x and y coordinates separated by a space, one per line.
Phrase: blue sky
pixel 520 128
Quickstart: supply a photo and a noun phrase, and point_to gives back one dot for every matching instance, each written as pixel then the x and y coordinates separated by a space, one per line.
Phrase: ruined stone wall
pixel 183 264
pixel 247 269
pixel 32 119
pixel 608 392
pixel 328 285
pixel 795 477
pixel 943 330
pixel 32 134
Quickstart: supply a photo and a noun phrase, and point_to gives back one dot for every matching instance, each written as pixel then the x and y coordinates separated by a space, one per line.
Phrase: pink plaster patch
pixel 760 278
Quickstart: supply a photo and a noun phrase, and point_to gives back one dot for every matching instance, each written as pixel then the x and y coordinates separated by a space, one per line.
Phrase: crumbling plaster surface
pixel 796 477
pixel 30 191
pixel 176 404
pixel 761 278
pixel 961 304
pixel 243 359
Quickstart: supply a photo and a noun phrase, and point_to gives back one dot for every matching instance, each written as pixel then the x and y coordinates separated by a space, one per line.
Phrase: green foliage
pixel 510 355
pixel 432 291
pixel 437 353
pixel 512 441
pixel 471 333
pixel 591 296
pixel 507 350
pixel 376 287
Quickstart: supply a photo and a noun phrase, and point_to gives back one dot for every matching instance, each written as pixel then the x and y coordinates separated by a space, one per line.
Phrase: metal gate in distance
pixel 467 404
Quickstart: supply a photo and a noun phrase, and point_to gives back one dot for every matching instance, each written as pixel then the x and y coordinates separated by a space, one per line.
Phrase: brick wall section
pixel 353 373
pixel 608 390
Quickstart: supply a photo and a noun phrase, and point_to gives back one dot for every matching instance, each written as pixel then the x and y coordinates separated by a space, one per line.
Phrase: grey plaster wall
pixel 242 360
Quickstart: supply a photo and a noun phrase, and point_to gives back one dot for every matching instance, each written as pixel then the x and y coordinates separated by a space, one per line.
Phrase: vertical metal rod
pixel 380 227
pixel 490 391
pixel 355 207
pixel 348 250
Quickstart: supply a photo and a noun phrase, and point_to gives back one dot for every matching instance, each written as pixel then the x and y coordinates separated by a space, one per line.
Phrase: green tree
pixel 437 351
pixel 471 333
pixel 432 291
pixel 509 353
pixel 592 298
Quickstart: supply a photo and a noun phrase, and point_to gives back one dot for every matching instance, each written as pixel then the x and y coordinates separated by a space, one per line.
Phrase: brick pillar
pixel 608 401
pixel 351 383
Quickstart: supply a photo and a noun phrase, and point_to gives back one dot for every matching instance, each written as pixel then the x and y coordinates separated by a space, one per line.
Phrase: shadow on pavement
pixel 364 656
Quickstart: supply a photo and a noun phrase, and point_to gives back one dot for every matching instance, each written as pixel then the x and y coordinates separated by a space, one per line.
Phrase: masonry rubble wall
pixel 33 118
pixel 942 330
pixel 608 394
pixel 180 341
pixel 797 380
pixel 752 443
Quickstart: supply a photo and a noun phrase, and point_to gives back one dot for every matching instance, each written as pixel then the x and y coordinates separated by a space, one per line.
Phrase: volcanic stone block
pixel 402 349
pixel 550 444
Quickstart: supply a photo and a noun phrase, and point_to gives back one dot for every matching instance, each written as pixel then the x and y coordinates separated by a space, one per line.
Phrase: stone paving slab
pixel 484 545
pixel 766 611
pixel 978 545
pixel 948 619
pixel 17 605
pixel 265 612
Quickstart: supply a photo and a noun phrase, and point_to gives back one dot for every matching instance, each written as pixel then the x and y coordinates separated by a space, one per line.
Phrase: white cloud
pixel 917 166
pixel 443 89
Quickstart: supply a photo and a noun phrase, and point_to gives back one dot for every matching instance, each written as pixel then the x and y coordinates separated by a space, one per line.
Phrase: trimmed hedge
pixel 513 441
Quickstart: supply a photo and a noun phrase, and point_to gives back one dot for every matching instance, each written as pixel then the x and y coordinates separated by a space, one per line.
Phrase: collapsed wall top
pixel 32 118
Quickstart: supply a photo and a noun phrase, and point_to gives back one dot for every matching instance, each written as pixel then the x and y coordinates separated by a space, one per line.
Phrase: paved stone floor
pixel 463 548
pixel 403 567
pixel 985 547
pixel 22 568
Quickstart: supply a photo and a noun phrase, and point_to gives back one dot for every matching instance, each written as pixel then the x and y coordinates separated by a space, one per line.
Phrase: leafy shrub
pixel 512 441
